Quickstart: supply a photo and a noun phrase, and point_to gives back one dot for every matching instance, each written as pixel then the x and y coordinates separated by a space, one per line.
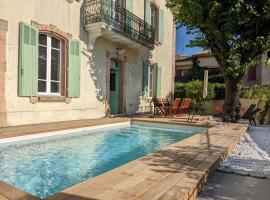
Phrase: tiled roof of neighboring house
pixel 180 57
pixel 205 53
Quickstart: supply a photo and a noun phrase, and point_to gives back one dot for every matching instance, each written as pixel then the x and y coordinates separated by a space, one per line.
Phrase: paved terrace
pixel 176 172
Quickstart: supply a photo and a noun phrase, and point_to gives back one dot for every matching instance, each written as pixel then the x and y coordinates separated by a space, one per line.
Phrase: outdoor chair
pixel 251 116
pixel 185 106
pixel 159 109
pixel 175 106
pixel 166 107
pixel 225 115
pixel 221 114
pixel 249 111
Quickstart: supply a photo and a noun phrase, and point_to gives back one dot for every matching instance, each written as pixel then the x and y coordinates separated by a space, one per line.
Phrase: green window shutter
pixel 129 5
pixel 74 68
pixel 159 70
pixel 145 80
pixel 161 26
pixel 28 60
pixel 147 11
pixel 106 6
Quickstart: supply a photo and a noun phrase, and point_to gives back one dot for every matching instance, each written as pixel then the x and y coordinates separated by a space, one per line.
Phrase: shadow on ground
pixel 224 186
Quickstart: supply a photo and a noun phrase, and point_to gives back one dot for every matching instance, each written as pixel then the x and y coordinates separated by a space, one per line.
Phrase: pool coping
pixel 18 194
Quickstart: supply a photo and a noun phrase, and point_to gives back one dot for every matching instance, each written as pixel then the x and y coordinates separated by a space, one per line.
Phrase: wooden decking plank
pixel 3 198
pixel 173 178
pixel 195 178
pixel 161 167
pixel 165 184
pixel 11 192
pixel 168 166
pixel 158 190
pixel 151 175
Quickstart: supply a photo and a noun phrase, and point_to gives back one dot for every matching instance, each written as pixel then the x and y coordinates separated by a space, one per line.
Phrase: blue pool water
pixel 47 167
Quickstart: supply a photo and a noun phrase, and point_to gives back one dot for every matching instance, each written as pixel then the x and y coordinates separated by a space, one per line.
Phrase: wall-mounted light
pixel 120 51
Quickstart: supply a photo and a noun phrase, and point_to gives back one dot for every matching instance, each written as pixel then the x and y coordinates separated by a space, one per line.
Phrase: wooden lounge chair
pixel 184 107
pixel 175 106
pixel 166 107
pixel 158 107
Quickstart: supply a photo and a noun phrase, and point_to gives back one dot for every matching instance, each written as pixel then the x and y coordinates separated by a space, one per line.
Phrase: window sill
pixel 46 99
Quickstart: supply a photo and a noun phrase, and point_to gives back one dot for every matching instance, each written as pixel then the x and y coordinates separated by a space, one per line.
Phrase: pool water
pixel 44 168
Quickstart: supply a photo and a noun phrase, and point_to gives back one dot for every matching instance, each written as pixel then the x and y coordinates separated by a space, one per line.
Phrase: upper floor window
pixel 49 65
pixel 154 19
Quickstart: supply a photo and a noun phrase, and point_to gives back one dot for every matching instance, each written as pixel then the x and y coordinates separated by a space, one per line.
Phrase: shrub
pixel 194 90
pixel 180 90
pixel 219 90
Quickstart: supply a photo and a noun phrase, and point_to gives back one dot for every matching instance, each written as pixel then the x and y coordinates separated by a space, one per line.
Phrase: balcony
pixel 107 19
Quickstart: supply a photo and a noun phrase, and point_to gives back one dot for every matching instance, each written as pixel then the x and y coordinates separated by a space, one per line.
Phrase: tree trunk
pixel 232 97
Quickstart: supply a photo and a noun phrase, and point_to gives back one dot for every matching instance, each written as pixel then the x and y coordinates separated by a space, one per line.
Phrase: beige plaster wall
pixel 68 18
pixel 164 54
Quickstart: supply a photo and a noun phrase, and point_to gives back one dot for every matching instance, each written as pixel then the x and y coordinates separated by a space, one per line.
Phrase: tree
pixel 197 71
pixel 236 31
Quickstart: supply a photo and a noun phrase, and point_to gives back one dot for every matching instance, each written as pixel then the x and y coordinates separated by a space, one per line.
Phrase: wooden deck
pixel 15 131
pixel 176 172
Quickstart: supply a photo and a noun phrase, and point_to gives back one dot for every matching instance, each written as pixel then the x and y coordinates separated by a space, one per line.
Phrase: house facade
pixel 70 60
pixel 257 75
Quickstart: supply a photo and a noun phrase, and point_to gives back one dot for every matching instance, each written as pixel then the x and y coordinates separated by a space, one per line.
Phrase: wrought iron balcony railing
pixel 120 20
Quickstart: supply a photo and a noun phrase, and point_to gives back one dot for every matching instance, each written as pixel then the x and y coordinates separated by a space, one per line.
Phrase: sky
pixel 182 39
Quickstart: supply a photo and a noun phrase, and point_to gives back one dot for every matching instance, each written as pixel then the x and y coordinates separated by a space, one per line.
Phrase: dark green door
pixel 114 87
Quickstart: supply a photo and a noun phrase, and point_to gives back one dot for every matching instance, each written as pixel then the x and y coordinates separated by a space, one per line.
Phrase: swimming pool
pixel 44 165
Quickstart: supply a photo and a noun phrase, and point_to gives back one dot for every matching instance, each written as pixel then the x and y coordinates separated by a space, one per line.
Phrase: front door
pixel 114 86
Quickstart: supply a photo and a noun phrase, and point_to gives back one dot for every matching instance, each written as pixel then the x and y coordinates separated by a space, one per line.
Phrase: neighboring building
pixel 70 60
pixel 257 75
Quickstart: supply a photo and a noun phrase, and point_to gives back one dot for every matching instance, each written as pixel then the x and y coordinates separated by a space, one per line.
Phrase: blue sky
pixel 182 39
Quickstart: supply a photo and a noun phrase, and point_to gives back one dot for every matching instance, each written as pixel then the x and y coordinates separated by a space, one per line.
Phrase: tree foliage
pixel 196 70
pixel 237 31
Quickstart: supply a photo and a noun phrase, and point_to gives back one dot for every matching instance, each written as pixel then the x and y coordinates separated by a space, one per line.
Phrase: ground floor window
pixel 151 81
pixel 49 65
pixel 49 62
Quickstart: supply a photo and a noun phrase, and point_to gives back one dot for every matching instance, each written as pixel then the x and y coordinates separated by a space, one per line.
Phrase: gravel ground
pixel 252 155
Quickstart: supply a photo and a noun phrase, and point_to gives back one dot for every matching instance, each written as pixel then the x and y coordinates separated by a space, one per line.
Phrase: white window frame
pixel 151 73
pixel 48 70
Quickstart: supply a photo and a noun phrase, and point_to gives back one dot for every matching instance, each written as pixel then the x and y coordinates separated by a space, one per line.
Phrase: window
pixel 44 60
pixel 252 74
pixel 151 82
pixel 49 65
pixel 116 14
pixel 154 19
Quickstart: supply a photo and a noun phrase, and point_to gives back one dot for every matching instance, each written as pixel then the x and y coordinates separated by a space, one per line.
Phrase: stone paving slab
pixel 235 187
